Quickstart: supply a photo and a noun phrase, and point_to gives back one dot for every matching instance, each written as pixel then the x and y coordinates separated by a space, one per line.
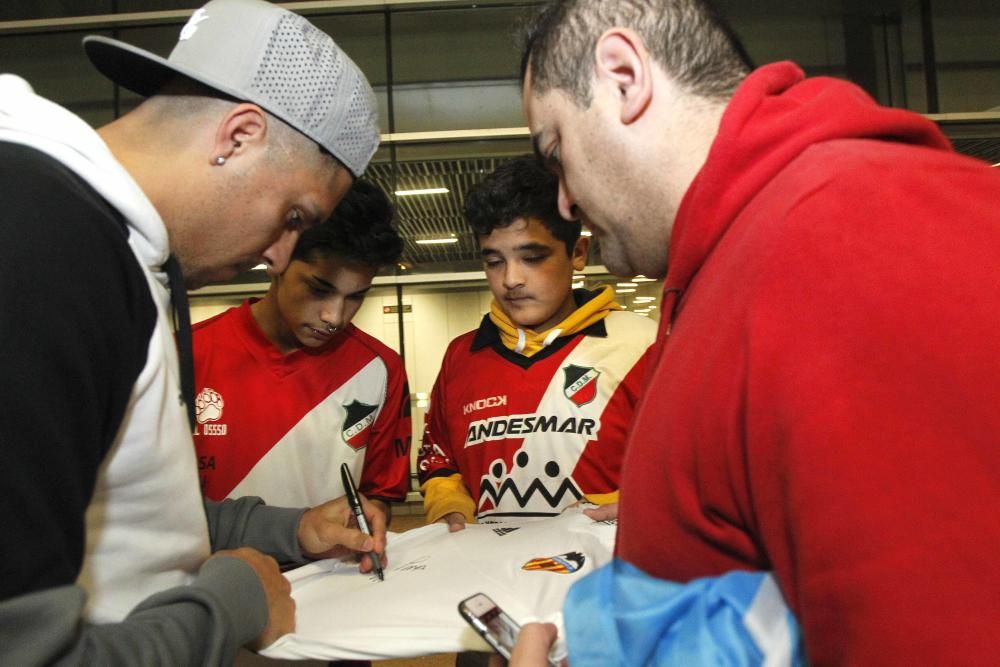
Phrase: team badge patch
pixel 566 563
pixel 581 384
pixel 357 424
pixel 208 406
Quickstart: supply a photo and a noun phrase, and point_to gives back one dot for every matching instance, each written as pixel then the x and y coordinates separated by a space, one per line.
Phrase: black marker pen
pixel 354 500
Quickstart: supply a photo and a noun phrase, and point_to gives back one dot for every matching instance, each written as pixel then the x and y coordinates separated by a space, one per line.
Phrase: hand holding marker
pixel 354 500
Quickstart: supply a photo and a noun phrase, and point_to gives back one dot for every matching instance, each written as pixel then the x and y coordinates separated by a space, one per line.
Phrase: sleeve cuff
pixel 602 498
pixel 444 495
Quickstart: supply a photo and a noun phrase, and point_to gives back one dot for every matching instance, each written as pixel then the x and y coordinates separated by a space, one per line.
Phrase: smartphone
pixel 491 622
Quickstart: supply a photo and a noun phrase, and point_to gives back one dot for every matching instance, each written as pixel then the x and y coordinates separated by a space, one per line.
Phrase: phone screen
pixel 491 622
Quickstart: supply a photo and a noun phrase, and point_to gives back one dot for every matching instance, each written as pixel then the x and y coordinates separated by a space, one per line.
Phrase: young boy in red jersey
pixel 529 412
pixel 288 389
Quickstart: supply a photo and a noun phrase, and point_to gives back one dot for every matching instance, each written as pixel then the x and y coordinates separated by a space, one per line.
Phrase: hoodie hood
pixel 26 118
pixel 774 116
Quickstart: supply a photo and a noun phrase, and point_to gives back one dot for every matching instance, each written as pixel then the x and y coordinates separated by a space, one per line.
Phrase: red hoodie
pixel 827 403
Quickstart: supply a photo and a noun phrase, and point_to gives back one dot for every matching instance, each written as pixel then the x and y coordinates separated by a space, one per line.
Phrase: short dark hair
pixel 359 230
pixel 519 188
pixel 688 38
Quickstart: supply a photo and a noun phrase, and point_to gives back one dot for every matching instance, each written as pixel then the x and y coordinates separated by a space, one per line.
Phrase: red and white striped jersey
pixel 279 425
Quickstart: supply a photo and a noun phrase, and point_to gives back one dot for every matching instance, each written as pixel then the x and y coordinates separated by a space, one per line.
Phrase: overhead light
pixel 643 279
pixel 627 285
pixel 577 285
pixel 624 291
pixel 447 239
pixel 586 232
pixel 644 299
pixel 579 277
pixel 422 191
pixel 260 267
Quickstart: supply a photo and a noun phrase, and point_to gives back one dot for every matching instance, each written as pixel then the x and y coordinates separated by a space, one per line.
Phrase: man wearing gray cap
pixel 254 128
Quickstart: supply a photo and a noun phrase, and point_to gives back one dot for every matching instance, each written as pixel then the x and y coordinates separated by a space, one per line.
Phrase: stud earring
pixel 220 160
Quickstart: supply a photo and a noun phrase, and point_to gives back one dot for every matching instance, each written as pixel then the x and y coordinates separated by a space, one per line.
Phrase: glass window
pixel 362 37
pixel 125 6
pixel 24 10
pixel 968 58
pixel 914 75
pixel 455 69
pixel 810 33
pixel 57 68
pixel 879 46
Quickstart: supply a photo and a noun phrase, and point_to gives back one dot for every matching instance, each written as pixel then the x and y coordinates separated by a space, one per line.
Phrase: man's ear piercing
pixel 220 160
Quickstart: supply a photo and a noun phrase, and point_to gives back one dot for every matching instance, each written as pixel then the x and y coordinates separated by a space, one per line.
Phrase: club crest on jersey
pixel 208 406
pixel 566 563
pixel 581 384
pixel 357 424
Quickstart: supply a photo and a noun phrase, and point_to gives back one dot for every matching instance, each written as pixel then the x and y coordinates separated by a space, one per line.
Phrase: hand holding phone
pixel 492 624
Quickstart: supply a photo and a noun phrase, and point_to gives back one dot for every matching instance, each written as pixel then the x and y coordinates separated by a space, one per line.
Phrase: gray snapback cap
pixel 257 52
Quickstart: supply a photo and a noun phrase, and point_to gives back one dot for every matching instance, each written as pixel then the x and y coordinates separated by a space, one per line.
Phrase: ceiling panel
pixel 984 148
pixel 434 216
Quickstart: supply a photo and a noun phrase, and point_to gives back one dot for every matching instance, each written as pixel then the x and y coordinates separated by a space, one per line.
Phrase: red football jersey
pixel 532 435
pixel 279 425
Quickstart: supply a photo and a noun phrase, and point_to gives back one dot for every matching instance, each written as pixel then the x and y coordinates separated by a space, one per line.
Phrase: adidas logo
pixel 505 531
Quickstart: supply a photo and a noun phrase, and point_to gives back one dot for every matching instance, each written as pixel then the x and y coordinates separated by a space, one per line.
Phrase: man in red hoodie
pixel 824 403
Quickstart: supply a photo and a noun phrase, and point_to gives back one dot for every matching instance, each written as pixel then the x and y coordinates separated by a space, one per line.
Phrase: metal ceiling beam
pixel 966 117
pixel 455 135
pixel 458 277
pixel 131 19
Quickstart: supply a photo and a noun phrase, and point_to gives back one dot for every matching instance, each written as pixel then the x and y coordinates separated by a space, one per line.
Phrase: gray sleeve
pixel 204 623
pixel 248 522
